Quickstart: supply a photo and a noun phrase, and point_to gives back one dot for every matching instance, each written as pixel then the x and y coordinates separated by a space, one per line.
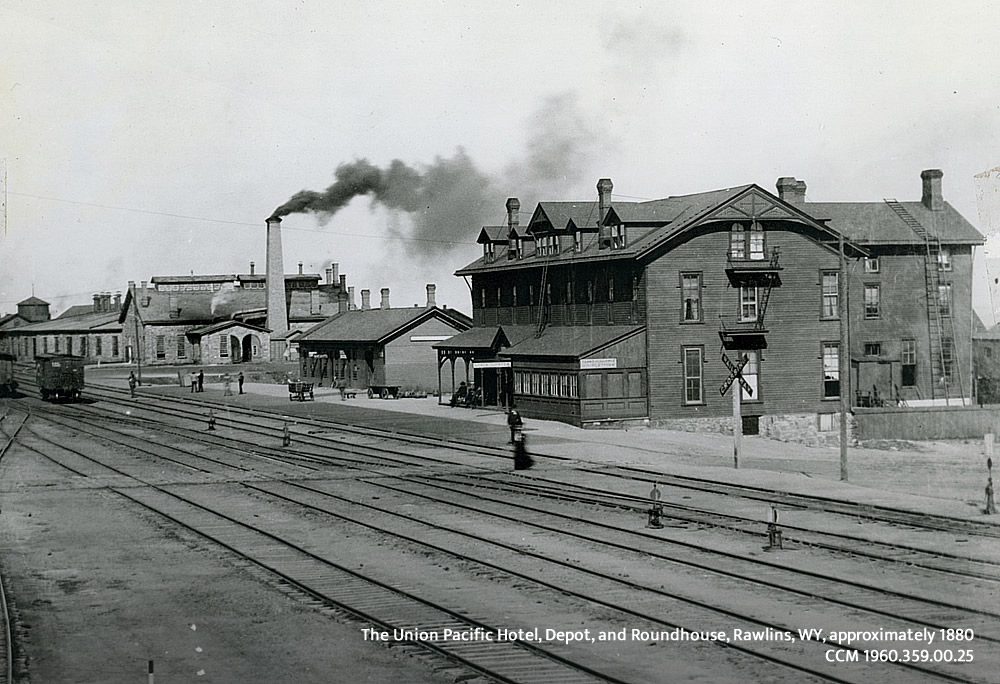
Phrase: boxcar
pixel 8 385
pixel 59 376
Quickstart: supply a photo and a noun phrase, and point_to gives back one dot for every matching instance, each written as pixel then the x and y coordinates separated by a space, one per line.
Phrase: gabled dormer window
pixel 578 241
pixel 519 248
pixel 618 240
pixel 746 244
pixel 546 245
pixel 489 252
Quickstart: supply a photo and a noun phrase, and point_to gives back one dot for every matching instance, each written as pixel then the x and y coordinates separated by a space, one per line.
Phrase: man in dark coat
pixel 240 379
pixel 201 380
pixel 514 422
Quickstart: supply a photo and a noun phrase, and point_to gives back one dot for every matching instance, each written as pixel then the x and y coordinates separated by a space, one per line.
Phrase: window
pixel 831 370
pixel 489 252
pixel 737 242
pixel 513 295
pixel 97 345
pixel 161 347
pixel 756 241
pixel 692 375
pixel 751 374
pixel 948 355
pixel 744 243
pixel 569 291
pixel 69 344
pixel 224 342
pixel 83 345
pixel 114 345
pixel 831 295
pixel 872 299
pixel 944 299
pixel 873 349
pixel 908 357
pixel 611 288
pixel 45 345
pixel 871 265
pixel 56 338
pixel 618 237
pixel 578 241
pixel 748 304
pixel 944 259
pixel 181 347
pixel 691 297
pixel 482 298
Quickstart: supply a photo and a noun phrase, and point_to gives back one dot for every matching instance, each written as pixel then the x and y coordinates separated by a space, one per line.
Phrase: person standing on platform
pixel 132 382
pixel 514 422
pixel 194 382
pixel 201 380
pixel 240 379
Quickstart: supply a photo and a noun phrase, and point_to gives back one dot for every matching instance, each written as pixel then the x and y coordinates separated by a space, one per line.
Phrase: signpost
pixel 736 374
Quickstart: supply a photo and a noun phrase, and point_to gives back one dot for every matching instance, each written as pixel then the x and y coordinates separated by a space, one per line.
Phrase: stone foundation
pixel 802 428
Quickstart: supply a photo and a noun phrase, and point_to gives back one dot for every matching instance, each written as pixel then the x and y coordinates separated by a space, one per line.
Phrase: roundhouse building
pixel 631 305
pixel 87 330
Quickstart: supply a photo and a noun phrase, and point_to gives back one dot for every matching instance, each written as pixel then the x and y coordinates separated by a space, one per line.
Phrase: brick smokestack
pixel 329 275
pixel 252 267
pixel 350 298
pixel 385 298
pixel 604 188
pixel 431 291
pixel 277 314
pixel 342 305
pixel 366 302
pixel 932 197
pixel 791 190
pixel 513 220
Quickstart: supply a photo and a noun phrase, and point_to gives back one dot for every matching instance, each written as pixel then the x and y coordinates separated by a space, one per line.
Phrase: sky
pixel 141 139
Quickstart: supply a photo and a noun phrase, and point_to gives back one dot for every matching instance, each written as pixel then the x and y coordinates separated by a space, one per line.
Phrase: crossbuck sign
pixel 735 373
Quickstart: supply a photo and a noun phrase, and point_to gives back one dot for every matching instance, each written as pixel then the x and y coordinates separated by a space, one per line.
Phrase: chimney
pixel 277 314
pixel 366 300
pixel 251 268
pixel 97 303
pixel 350 298
pixel 336 272
pixel 342 305
pixel 329 275
pixel 300 268
pixel 431 290
pixel 791 190
pixel 513 205
pixel 343 282
pixel 385 298
pixel 932 198
pixel 143 295
pixel 604 188
pixel 106 301
pixel 118 301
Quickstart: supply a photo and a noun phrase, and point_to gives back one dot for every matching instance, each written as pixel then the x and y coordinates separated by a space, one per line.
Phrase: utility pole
pixel 843 361
pixel 138 341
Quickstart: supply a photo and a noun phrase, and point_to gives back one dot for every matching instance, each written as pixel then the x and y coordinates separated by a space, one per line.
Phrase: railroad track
pixel 10 432
pixel 177 500
pixel 372 454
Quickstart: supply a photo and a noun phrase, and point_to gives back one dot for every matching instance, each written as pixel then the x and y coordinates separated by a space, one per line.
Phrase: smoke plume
pixel 450 199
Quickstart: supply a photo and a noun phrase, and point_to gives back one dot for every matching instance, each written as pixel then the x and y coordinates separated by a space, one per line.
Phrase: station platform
pixel 945 478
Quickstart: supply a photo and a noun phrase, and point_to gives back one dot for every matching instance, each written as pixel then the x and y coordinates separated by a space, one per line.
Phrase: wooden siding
pixel 791 379
pixel 413 365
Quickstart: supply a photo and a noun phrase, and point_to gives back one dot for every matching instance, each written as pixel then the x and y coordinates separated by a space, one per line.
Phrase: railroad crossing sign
pixel 735 373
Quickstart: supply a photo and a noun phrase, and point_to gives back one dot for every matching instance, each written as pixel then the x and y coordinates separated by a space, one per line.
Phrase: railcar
pixel 59 376
pixel 8 385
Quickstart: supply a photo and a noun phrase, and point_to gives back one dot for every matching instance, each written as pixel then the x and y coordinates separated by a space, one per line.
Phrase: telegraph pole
pixel 843 360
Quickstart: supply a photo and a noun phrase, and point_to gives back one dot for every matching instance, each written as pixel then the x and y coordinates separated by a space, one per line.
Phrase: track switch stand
pixel 211 419
pixel 286 436
pixel 655 509
pixel 773 531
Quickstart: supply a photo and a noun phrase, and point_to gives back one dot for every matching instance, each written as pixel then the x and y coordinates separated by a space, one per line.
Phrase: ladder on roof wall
pixel 932 282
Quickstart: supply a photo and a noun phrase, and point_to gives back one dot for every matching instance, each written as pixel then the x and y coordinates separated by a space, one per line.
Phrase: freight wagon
pixel 59 376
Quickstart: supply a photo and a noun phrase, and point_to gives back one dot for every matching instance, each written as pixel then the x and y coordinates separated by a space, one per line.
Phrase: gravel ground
pixel 151 593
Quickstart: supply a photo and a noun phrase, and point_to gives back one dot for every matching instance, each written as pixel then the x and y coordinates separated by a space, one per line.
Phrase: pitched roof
pixel 204 306
pixel 485 337
pixel 379 325
pixel 223 325
pixel 33 300
pixel 875 223
pixel 78 310
pixel 575 341
pixel 92 322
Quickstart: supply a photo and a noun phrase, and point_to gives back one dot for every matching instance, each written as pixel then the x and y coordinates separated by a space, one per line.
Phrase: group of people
pixel 466 397
pixel 197 381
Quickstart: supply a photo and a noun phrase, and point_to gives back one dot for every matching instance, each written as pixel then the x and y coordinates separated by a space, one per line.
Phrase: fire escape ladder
pixel 543 301
pixel 765 294
pixel 937 307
